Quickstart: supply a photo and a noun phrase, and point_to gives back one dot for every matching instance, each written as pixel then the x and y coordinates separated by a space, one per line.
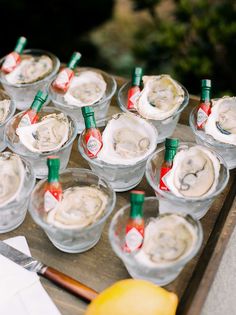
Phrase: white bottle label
pixel 62 78
pixel 93 145
pixel 134 97
pixel 25 121
pixel 134 239
pixel 50 201
pixel 201 117
pixel 10 62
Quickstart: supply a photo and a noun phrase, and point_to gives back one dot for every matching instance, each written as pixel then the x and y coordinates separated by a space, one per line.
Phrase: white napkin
pixel 21 292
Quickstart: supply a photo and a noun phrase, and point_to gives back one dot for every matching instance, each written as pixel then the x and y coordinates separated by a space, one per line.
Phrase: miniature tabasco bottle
pixel 53 188
pixel 31 116
pixel 204 109
pixel 135 89
pixel 92 138
pixel 65 76
pixel 135 226
pixel 13 59
pixel 171 146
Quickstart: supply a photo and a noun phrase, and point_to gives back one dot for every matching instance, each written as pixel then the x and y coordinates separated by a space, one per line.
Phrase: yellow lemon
pixel 133 297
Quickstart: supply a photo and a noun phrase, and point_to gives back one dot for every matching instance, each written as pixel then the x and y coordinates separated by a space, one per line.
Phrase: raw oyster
pixel 221 123
pixel 127 139
pixel 194 174
pixel 12 173
pixel 167 239
pixel 31 69
pixel 85 89
pixel 160 97
pixel 50 134
pixel 80 207
pixel 4 110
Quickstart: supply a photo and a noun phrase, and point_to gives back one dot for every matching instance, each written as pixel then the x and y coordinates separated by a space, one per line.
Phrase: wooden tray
pixel 99 267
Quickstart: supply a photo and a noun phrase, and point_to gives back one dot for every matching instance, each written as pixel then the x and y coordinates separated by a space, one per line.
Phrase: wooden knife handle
pixel 69 283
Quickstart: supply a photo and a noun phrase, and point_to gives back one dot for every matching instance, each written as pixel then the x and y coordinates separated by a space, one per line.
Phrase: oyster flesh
pixel 50 134
pixel 79 207
pixel 194 174
pixel 167 239
pixel 127 139
pixel 12 173
pixel 160 97
pixel 86 89
pixel 31 69
pixel 4 110
pixel 221 123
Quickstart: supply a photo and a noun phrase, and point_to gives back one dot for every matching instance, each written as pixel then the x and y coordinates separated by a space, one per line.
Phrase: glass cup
pixel 4 96
pixel 197 207
pixel 38 160
pixel 164 127
pixel 100 108
pixel 76 240
pixel 23 94
pixel 161 275
pixel 121 177
pixel 228 151
pixel 13 213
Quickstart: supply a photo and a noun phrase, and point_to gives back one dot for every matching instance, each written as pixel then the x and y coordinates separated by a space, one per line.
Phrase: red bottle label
pixel 63 79
pixel 53 195
pixel 92 142
pixel 164 171
pixel 29 118
pixel 133 94
pixel 134 235
pixel 11 61
pixel 202 114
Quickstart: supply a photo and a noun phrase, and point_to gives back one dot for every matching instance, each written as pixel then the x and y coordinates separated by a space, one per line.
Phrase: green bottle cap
pixel 89 118
pixel 53 163
pixel 137 76
pixel 75 58
pixel 206 83
pixel 136 203
pixel 172 143
pixel 87 111
pixel 137 196
pixel 20 45
pixel 39 100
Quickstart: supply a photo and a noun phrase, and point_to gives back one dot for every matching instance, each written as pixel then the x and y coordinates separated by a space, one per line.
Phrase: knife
pixel 59 278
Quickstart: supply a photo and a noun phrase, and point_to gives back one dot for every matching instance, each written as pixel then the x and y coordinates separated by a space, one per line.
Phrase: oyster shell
pixel 221 123
pixel 195 173
pixel 50 134
pixel 167 239
pixel 160 97
pixel 31 69
pixel 12 173
pixel 127 139
pixel 4 110
pixel 86 89
pixel 80 207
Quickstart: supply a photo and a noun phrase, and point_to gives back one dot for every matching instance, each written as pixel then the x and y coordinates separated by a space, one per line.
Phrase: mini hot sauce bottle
pixel 204 109
pixel 135 89
pixel 53 188
pixel 13 59
pixel 92 138
pixel 135 226
pixel 62 81
pixel 171 146
pixel 31 116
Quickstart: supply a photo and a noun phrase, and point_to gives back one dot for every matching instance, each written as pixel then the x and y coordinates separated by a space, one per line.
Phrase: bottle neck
pixel 53 175
pixel 205 95
pixel 136 80
pixel 37 105
pixel 90 121
pixel 169 154
pixel 20 45
pixel 74 61
pixel 136 210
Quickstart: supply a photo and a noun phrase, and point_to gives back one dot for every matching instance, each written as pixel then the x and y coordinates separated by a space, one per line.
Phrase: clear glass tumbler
pixel 161 275
pixel 38 160
pixel 100 108
pixel 76 240
pixel 23 94
pixel 197 207
pixel 165 127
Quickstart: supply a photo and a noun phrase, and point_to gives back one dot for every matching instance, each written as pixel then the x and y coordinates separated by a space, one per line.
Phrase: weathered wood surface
pixel 99 267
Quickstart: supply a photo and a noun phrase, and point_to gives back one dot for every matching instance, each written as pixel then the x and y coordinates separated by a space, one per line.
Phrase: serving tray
pixel 100 268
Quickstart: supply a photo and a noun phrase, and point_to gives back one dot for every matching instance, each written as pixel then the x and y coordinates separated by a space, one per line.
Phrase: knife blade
pixel 59 278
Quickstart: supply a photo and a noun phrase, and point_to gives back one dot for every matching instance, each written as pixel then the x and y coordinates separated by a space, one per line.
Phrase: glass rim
pixel 50 227
pixel 48 77
pixel 170 195
pixel 12 108
pixel 127 258
pixel 51 92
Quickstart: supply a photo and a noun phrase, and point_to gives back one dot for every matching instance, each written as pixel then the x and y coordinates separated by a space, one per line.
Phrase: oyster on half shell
pixel 50 134
pixel 31 69
pixel 127 139
pixel 85 89
pixel 194 174
pixel 160 97
pixel 12 173
pixel 221 123
pixel 80 207
pixel 4 110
